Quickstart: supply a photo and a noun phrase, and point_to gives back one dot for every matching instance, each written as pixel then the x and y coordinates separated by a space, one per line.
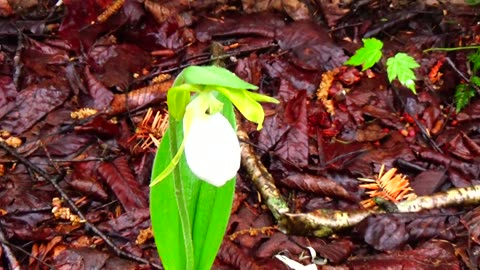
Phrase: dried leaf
pixel 121 180
pixel 33 103
pixel 102 97
pixel 318 185
pixel 310 46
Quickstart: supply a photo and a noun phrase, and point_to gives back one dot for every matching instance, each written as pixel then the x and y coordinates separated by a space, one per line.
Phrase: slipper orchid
pixel 190 209
pixel 210 143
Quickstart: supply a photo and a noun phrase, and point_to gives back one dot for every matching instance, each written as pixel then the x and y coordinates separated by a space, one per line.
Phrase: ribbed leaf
pixel 208 208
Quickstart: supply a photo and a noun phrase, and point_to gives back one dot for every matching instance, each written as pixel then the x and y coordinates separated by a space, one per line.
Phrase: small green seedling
pixel 193 178
pixel 399 67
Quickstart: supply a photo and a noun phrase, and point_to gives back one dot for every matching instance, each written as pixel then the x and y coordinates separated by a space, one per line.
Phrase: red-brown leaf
pixel 121 180
pixel 318 185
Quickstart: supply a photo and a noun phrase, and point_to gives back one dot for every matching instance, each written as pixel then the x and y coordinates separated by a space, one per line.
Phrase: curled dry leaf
pixel 318 185
pixel 139 98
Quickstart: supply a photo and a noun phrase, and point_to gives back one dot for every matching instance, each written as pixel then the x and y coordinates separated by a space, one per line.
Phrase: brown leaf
pixel 114 65
pixel 433 255
pixel 310 46
pixel 232 255
pixel 429 227
pixel 259 24
pixel 121 180
pixel 33 103
pixel 318 185
pixel 84 178
pixel 139 98
pixel 428 182
pixel 288 130
pixel 102 97
pixel 337 251
pixel 471 221
pixel 384 232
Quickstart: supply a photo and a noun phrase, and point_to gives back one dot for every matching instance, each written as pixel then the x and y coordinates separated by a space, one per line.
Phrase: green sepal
pixel 213 76
pixel 177 99
pixel 248 107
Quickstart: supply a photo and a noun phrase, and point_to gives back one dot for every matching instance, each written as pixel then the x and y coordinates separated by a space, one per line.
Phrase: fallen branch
pixel 325 222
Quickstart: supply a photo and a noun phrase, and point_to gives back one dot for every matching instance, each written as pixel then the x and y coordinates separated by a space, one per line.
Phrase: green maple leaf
pixel 368 55
pixel 401 67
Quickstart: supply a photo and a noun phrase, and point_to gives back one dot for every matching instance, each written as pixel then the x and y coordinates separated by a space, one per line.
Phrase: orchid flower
pixel 210 140
pixel 211 146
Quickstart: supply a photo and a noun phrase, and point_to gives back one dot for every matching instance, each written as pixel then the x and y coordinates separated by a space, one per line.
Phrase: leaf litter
pixel 335 124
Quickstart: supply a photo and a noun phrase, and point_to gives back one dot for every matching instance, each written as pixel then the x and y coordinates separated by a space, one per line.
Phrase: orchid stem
pixel 181 203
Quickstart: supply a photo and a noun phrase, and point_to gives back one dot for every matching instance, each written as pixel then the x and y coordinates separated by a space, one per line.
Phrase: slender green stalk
pixel 452 49
pixel 181 202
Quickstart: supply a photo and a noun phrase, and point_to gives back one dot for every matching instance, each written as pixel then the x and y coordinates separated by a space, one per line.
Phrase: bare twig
pixel 467 80
pixel 88 225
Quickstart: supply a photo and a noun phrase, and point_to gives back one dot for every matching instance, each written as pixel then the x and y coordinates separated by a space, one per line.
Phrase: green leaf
pixel 401 67
pixel 173 240
pixel 212 76
pixel 368 55
pixel 189 216
pixel 213 211
pixel 463 94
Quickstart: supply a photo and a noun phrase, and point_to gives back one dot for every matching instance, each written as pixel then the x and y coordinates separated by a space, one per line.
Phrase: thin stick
pixel 450 62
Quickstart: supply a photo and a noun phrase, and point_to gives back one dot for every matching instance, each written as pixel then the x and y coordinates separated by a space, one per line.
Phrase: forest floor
pixel 82 94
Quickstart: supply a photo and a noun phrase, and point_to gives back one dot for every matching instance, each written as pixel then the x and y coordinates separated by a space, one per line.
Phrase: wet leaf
pixel 32 104
pixel 423 228
pixel 384 232
pixel 102 97
pixel 232 255
pixel 471 221
pixel 434 255
pixel 428 182
pixel 84 178
pixel 310 46
pixel 118 175
pixel 288 129
pixel 115 65
pixel 262 24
